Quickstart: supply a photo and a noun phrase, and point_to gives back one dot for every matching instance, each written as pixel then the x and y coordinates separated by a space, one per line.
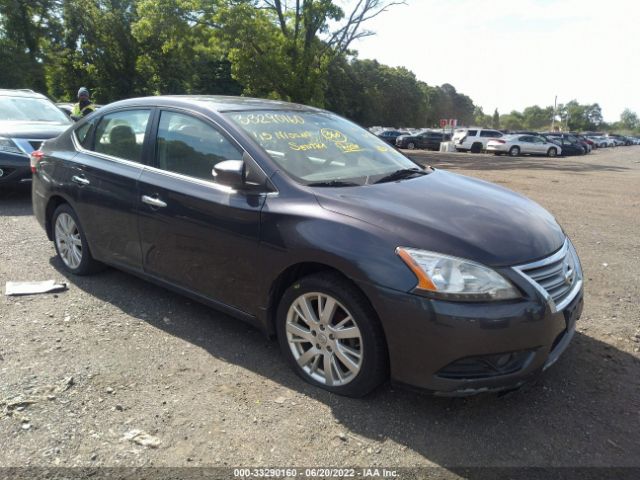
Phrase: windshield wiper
pixel 333 183
pixel 400 174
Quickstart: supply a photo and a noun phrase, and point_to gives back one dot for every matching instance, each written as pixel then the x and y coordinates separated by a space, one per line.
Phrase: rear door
pixel 104 176
pixel 196 234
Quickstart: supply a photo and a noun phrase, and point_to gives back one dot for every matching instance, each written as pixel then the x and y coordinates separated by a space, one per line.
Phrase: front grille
pixel 558 276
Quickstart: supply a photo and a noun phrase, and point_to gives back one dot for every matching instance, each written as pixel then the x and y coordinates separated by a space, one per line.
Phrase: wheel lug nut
pixel 318 346
pixel 313 332
pixel 321 327
pixel 329 348
pixel 331 336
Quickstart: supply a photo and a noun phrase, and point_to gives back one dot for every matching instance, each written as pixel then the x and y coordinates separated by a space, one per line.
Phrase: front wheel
pixel 331 336
pixel 552 152
pixel 411 146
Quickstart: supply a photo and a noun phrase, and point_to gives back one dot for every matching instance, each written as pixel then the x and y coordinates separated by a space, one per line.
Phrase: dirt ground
pixel 85 373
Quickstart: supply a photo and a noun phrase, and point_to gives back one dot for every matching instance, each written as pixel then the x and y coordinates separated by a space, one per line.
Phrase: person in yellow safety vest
pixel 84 106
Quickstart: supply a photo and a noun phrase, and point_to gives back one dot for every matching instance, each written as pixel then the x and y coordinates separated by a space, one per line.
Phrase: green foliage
pixel 629 120
pixel 495 119
pixel 292 50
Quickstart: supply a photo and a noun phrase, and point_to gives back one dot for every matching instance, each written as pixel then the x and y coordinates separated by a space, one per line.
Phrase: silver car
pixel 515 145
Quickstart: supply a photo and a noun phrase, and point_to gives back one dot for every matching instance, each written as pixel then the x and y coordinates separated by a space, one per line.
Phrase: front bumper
pixel 432 342
pixel 15 169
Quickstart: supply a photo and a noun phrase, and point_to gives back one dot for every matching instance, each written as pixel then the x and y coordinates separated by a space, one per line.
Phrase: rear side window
pixel 121 134
pixel 490 133
pixel 189 146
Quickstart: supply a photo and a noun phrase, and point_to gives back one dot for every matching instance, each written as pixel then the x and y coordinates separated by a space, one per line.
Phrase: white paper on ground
pixel 30 288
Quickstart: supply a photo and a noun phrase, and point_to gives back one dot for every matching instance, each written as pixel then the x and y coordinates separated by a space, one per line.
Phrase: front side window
pixel 320 147
pixel 472 133
pixel 121 134
pixel 191 147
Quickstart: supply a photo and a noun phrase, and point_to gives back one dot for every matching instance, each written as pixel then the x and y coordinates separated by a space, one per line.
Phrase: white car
pixel 474 139
pixel 515 145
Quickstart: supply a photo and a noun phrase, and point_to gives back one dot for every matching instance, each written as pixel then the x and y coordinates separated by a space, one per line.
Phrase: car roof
pixel 22 92
pixel 217 103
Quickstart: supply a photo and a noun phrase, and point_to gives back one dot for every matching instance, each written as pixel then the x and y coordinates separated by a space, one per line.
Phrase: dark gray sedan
pixel 362 263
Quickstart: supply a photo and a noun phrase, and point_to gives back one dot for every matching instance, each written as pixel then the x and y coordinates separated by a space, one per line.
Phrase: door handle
pixel 80 180
pixel 153 201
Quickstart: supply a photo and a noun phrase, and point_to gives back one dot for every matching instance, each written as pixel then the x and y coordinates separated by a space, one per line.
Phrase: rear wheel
pixel 70 242
pixel 514 151
pixel 552 152
pixel 331 336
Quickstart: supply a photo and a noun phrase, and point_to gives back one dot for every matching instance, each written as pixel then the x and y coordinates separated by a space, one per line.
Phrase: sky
pixel 510 54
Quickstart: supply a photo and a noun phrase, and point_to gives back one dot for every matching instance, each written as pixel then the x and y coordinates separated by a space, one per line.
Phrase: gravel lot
pixel 82 371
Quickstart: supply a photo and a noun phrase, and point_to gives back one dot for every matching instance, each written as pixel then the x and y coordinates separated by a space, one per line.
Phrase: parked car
pixel 474 140
pixel 428 139
pixel 573 138
pixel 568 147
pixel 516 145
pixel 26 120
pixel 390 136
pixel 361 262
pixel 601 142
pixel 620 140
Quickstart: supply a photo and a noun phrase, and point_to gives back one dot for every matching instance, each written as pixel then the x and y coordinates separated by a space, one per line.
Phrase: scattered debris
pixel 280 400
pixel 31 288
pixel 142 438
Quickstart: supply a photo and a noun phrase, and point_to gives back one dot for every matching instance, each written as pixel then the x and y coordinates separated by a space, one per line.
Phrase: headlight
pixel 452 278
pixel 7 145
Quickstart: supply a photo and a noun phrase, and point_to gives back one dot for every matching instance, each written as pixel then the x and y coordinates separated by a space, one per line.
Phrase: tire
pixel 552 152
pixel 70 242
pixel 411 146
pixel 476 148
pixel 312 348
pixel 514 151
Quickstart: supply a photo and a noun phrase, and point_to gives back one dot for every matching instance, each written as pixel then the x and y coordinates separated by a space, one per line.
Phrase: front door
pixel 197 234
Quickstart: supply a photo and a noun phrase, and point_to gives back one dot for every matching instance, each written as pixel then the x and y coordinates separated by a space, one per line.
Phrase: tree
pixel 629 120
pixel 25 32
pixel 537 118
pixel 284 49
pixel 495 120
pixel 512 121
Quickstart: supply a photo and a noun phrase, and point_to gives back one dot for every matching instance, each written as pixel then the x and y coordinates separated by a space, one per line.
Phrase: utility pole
pixel 553 119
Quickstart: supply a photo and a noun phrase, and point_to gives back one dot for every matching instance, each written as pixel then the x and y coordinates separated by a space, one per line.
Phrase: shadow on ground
pixel 15 201
pixel 581 412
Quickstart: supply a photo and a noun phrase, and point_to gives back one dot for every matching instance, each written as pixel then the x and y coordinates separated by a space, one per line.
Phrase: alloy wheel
pixel 324 339
pixel 68 240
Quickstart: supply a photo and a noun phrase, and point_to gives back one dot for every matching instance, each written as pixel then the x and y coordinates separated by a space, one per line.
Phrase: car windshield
pixel 24 109
pixel 322 148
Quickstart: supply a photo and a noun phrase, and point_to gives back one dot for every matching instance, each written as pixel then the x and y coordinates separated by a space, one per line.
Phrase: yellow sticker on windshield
pixel 341 141
pixel 268 118
pixel 382 149
pixel 307 146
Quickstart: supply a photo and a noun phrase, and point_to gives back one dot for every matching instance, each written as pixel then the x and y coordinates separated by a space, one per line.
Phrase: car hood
pixel 454 215
pixel 32 130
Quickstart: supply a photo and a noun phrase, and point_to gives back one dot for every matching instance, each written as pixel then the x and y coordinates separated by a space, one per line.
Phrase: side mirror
pixel 230 173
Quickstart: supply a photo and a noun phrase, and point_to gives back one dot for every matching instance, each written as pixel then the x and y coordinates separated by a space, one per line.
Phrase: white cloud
pixel 511 54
